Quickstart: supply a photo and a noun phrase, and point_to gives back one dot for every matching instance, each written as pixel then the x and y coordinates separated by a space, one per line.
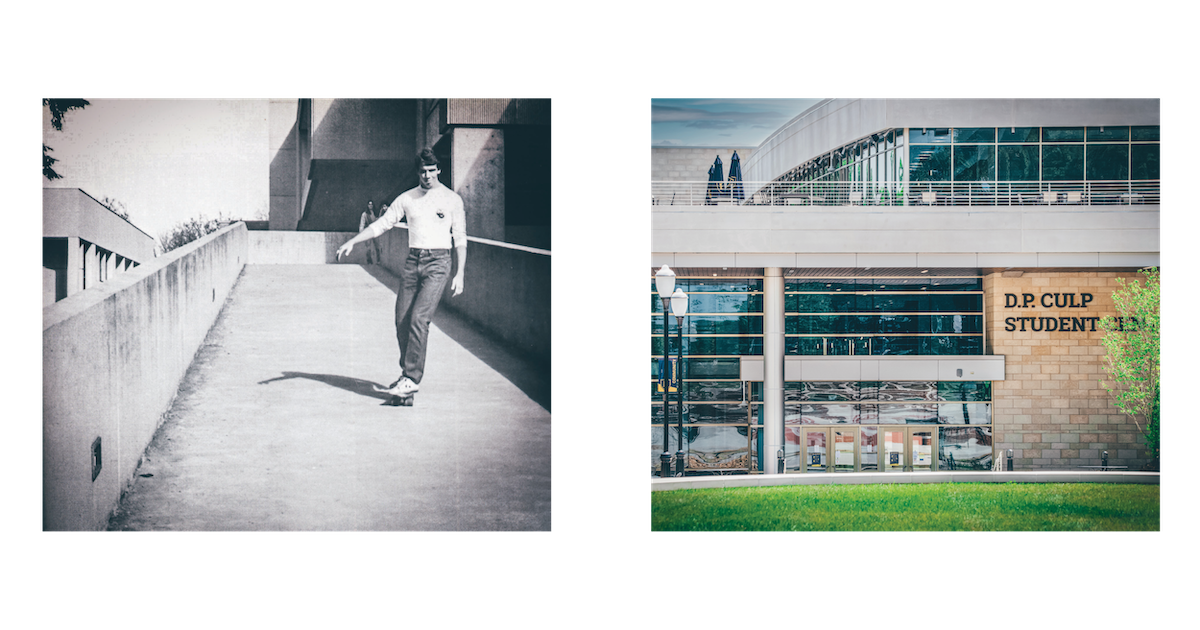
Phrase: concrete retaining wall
pixel 299 248
pixel 507 292
pixel 112 360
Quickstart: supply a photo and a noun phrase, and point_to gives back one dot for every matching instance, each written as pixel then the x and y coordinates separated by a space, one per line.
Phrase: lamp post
pixel 664 282
pixel 679 307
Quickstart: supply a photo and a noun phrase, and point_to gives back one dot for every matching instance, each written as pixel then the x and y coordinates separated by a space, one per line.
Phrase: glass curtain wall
pixel 984 166
pixel 1018 165
pixel 868 171
pixel 724 322
pixel 867 316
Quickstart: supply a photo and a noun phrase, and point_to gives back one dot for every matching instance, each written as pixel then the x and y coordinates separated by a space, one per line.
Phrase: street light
pixel 679 306
pixel 664 281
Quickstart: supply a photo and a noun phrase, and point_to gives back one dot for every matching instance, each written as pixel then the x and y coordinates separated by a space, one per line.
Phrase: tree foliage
pixel 1132 342
pixel 116 207
pixel 58 110
pixel 190 230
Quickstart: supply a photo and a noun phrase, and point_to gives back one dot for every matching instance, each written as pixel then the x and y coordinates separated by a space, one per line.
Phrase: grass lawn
pixel 911 507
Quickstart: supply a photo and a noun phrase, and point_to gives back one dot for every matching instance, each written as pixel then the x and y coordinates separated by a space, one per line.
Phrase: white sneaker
pixel 404 387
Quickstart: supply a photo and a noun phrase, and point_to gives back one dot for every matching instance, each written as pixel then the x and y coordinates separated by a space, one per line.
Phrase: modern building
pixel 330 156
pixel 906 284
pixel 85 243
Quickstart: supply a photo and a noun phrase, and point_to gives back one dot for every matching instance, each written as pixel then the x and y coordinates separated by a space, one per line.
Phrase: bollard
pixel 1010 460
pixel 665 463
pixel 779 457
pixel 1104 461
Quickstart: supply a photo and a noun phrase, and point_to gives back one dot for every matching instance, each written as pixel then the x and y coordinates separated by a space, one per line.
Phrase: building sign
pixel 1054 324
pixel 1047 300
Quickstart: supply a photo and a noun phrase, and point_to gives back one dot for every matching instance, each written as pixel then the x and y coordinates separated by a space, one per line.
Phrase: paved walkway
pixel 277 425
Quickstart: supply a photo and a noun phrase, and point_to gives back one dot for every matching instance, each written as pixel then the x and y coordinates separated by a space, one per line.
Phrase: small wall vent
pixel 96 459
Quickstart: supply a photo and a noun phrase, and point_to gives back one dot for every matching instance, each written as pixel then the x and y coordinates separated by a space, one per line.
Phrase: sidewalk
pixel 277 425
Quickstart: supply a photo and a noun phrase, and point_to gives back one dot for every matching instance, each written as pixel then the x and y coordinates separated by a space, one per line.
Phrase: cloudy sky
pixel 166 160
pixel 743 122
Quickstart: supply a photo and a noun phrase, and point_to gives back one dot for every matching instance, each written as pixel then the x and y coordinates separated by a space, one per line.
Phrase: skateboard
pixel 400 401
pixel 397 400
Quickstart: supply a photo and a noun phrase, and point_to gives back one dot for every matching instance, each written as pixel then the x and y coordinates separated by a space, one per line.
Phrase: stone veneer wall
pixel 1051 409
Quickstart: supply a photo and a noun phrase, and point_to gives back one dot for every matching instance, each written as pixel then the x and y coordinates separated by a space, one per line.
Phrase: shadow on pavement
pixel 531 379
pixel 358 386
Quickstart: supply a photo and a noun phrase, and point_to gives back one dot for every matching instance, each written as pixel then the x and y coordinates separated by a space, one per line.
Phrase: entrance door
pixel 815 453
pixel 845 449
pixel 868 449
pixel 921 441
pixel 907 448
pixel 893 440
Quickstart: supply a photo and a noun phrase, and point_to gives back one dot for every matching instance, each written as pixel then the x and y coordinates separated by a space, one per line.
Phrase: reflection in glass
pixel 829 414
pixel 843 450
pixel 893 450
pixel 1108 161
pixel 974 163
pixel 1062 134
pixel 792 449
pixel 922 450
pixel 965 413
pixel 701 413
pixel 1060 163
pixel 929 163
pixel 907 390
pixel 1018 163
pixel 829 390
pixel 964 391
pixel 868 448
pixel 718 448
pixel 965 448
pixel 1144 159
pixel 907 414
pixel 815 451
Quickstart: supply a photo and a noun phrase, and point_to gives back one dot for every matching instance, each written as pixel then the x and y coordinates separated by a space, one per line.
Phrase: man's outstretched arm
pixel 361 237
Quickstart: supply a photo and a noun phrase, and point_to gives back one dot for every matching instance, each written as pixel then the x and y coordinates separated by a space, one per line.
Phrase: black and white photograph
pixel 296 314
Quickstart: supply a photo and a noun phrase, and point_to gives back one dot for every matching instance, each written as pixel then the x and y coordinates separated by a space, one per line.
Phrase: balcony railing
pixel 1085 193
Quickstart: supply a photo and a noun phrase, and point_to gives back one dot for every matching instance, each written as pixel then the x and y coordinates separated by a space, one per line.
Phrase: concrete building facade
pixel 84 243
pixel 330 156
pixel 909 284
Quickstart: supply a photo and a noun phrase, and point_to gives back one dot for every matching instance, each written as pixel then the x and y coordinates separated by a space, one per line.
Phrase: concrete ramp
pixel 278 424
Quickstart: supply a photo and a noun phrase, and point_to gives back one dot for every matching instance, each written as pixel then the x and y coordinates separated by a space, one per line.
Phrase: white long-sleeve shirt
pixel 426 230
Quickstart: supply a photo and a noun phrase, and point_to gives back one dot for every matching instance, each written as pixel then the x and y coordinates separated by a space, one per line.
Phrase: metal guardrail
pixel 1069 193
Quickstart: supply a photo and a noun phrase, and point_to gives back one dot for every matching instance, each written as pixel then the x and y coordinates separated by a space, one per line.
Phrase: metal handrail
pixel 1006 193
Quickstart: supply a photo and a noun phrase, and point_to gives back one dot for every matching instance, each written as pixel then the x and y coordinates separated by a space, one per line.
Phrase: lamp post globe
pixel 679 304
pixel 664 282
pixel 679 307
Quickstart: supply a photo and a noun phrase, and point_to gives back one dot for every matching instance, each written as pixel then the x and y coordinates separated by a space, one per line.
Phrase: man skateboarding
pixel 436 226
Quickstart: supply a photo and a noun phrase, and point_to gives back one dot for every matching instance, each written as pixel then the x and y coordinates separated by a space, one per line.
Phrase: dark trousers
pixel 425 275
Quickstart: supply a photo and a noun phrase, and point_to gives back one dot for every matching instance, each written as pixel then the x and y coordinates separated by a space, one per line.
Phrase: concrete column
pixel 74 265
pixel 477 155
pixel 772 367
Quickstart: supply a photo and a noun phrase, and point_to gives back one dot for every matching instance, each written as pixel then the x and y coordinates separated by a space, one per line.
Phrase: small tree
pixel 116 206
pixel 1132 341
pixel 188 231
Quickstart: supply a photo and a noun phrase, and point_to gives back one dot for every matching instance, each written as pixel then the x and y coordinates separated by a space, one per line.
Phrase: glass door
pixel 868 449
pixel 894 456
pixel 816 450
pixel 845 451
pixel 922 451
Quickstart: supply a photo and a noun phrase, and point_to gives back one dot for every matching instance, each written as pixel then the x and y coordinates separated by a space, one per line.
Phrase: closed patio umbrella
pixel 735 178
